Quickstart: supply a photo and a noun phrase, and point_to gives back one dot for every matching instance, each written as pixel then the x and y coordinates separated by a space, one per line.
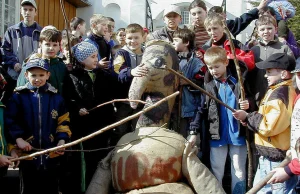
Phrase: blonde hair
pixel 266 20
pixel 215 55
pixel 97 18
pixel 213 19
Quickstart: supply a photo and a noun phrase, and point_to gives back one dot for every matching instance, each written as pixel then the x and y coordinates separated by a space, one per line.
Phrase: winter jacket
pixel 258 82
pixel 38 116
pixel 81 92
pixel 292 43
pixel 161 34
pixel 2 137
pixel 272 122
pixel 125 60
pixel 13 49
pixel 58 72
pixel 210 110
pixel 242 52
pixel 190 100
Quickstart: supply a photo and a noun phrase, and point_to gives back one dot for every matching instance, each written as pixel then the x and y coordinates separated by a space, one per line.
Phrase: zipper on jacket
pixel 40 122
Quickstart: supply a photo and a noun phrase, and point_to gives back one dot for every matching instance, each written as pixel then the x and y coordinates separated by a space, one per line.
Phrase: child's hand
pixel 60 151
pixel 14 154
pixel 23 145
pixel 263 3
pixel 279 176
pixel 139 71
pixel 192 139
pixel 4 160
pixel 244 105
pixel 199 54
pixel 240 115
pixel 17 67
pixel 103 64
pixel 83 112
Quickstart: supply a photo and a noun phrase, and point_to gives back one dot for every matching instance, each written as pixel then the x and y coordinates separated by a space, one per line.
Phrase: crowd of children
pixel 56 79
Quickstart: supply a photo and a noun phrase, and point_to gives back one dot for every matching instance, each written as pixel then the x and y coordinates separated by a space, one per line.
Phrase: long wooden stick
pixel 117 100
pixel 264 181
pixel 243 97
pixel 199 88
pixel 99 131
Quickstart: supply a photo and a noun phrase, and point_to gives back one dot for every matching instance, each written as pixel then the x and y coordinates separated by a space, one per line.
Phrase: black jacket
pixel 209 111
pixel 81 92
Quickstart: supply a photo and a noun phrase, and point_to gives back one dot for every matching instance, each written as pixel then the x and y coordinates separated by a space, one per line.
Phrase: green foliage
pixel 293 22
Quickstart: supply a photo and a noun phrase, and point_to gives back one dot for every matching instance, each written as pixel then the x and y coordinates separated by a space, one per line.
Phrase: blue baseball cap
pixel 38 63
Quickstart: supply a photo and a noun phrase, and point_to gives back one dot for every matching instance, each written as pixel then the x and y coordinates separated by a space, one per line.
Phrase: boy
pixel 21 39
pixel 121 36
pixel 78 27
pixel 99 28
pixel 215 29
pixel 50 40
pixel 172 19
pixel 65 49
pixel 36 118
pixel 189 65
pixel 268 45
pixel 225 132
pixel 127 65
pixel 272 122
pixel 283 174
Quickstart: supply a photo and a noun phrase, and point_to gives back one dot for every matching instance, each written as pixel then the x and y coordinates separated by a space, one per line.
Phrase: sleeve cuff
pixel 288 170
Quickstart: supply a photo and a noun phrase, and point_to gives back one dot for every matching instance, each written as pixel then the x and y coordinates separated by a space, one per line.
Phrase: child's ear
pixel 187 44
pixel 26 75
pixel 48 75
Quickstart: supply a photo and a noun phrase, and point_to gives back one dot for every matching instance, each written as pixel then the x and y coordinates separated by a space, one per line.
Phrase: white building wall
pixel 125 12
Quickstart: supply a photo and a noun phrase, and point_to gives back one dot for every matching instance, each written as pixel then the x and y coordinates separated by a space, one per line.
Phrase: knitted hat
pixel 83 50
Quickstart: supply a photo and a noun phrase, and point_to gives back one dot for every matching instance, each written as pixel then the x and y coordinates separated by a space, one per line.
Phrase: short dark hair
pixel 198 3
pixel 120 30
pixel 215 9
pixel 110 19
pixel 51 35
pixel 75 21
pixel 133 28
pixel 73 41
pixel 187 36
pixel 267 9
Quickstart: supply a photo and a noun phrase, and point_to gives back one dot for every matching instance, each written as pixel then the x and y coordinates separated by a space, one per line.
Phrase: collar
pixel 221 41
pixel 269 43
pixel 281 83
pixel 44 88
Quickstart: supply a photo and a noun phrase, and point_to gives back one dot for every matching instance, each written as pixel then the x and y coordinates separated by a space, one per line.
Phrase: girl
pixel 120 36
pixel 87 86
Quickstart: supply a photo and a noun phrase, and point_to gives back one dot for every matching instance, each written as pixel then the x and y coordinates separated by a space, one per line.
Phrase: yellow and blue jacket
pixel 272 122
pixel 37 115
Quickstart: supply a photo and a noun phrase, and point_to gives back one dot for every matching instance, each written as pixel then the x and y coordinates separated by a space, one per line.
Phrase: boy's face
pixel 172 20
pixel 91 62
pixel 218 70
pixel 100 28
pixel 49 49
pixel 111 25
pixel 297 75
pixel 273 76
pixel 266 32
pixel 215 31
pixel 134 41
pixel 28 12
pixel 82 28
pixel 198 15
pixel 179 45
pixel 121 37
pixel 37 77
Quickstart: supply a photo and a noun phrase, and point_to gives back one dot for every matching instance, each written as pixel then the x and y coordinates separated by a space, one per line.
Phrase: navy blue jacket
pixel 37 115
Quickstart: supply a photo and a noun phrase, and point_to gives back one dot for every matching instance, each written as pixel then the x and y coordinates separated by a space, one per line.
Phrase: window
pixel 185 17
pixel 9 14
